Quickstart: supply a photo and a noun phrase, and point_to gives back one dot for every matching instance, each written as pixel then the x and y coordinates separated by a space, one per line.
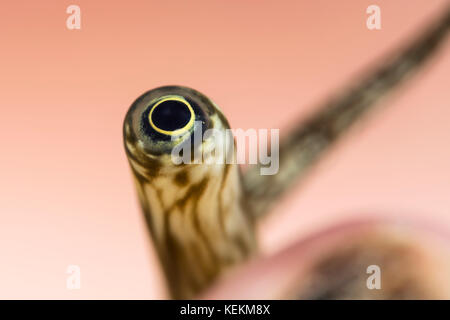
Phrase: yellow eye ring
pixel 177 131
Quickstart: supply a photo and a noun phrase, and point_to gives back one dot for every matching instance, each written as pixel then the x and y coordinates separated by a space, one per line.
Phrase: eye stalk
pixel 171 115
pixel 165 117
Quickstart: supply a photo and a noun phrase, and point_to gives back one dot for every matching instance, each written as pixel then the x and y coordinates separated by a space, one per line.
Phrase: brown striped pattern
pixel 194 213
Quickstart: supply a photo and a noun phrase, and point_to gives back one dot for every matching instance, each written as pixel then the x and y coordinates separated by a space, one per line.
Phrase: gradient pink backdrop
pixel 66 191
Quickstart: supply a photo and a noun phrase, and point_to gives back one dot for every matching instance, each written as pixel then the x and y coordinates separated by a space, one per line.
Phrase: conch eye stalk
pixel 201 213
pixel 195 211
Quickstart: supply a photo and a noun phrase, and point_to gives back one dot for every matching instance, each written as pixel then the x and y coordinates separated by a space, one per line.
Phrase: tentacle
pixel 306 144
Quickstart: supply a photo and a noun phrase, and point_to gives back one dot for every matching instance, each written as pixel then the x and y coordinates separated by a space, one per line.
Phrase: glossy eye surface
pixel 165 117
pixel 171 115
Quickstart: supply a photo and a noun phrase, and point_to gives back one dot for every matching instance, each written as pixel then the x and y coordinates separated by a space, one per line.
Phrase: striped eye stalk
pixel 194 209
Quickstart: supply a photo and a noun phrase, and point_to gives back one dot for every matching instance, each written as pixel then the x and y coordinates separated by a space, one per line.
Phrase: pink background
pixel 66 190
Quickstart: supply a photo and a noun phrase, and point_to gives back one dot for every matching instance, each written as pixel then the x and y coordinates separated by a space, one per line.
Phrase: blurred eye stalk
pixel 201 214
pixel 383 262
pixel 309 141
pixel 358 259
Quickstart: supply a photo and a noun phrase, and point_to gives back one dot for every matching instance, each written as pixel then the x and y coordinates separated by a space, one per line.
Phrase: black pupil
pixel 171 115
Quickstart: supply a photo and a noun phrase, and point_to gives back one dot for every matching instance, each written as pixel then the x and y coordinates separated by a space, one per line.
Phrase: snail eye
pixel 171 115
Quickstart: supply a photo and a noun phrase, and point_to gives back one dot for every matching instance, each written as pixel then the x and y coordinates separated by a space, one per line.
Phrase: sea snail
pixel 201 213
